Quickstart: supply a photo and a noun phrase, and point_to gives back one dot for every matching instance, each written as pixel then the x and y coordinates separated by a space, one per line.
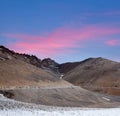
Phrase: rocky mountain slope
pixel 47 63
pixel 46 82
pixel 18 70
pixel 97 74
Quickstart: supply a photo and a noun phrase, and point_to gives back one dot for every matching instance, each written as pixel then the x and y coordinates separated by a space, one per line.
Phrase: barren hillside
pixel 18 70
pixel 96 74
pixel 29 79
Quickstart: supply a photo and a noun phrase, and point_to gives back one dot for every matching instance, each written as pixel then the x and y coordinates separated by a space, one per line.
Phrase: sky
pixel 64 30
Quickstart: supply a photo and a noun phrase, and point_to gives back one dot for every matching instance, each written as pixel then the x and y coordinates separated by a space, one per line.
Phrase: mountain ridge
pixel 47 82
pixel 95 74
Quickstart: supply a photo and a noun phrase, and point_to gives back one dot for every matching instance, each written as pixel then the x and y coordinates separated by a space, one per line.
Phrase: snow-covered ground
pixel 90 112
pixel 10 107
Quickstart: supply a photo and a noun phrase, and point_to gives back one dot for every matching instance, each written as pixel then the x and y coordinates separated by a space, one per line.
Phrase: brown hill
pixel 96 74
pixel 47 63
pixel 21 70
pixel 66 67
pixel 25 76
pixel 16 73
pixel 7 54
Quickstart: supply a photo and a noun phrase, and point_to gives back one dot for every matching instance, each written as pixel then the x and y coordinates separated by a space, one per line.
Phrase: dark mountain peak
pixel 100 59
pixel 6 54
pixel 6 50
pixel 86 60
pixel 31 59
pixel 66 67
pixel 2 47
pixel 93 59
pixel 49 62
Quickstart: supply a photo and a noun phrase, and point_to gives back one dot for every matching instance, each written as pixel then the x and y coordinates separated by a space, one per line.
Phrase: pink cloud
pixel 59 41
pixel 113 42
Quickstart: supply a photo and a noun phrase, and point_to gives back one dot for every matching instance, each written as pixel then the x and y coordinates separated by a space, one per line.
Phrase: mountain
pixel 46 63
pixel 49 64
pixel 96 74
pixel 47 82
pixel 66 67
pixel 22 70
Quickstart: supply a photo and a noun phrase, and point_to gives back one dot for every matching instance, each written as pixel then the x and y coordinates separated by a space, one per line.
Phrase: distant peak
pixel 100 58
pixel 88 59
pixel 2 46
pixel 49 61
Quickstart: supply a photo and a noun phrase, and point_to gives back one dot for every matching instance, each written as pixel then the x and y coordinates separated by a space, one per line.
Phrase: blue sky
pixel 65 30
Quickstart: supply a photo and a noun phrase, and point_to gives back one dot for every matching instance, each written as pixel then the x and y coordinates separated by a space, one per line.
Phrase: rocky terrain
pixel 97 74
pixel 10 107
pixel 19 70
pixel 62 96
pixel 93 82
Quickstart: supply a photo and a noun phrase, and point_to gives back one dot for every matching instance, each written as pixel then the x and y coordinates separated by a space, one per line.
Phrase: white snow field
pixel 88 112
pixel 10 107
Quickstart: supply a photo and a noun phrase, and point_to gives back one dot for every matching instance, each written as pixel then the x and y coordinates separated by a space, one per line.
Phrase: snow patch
pixel 107 99
pixel 15 108
pixel 61 76
pixel 92 112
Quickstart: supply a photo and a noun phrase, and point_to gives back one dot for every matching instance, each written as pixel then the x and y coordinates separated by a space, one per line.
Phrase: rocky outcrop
pixel 49 64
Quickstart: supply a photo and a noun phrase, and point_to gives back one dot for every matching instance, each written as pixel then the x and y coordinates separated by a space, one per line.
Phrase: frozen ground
pixel 13 108
pixel 90 112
